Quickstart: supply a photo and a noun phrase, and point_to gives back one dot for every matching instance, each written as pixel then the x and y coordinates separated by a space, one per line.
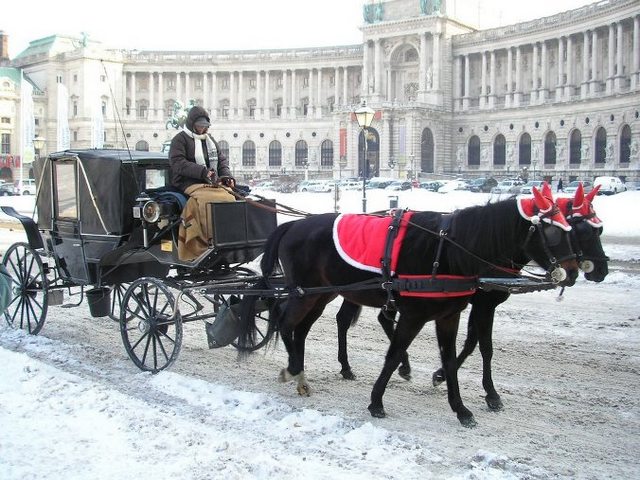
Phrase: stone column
pixel 492 79
pixel 422 69
pixel 187 87
pixel 617 82
pixel 345 86
pixel 635 72
pixel 319 99
pixel 233 96
pixel 134 100
pixel 312 100
pixel 517 95
pixel 483 80
pixel 266 112
pixel 286 95
pixel 570 85
pixel 259 99
pixel 611 52
pixel 544 87
pixel 294 96
pixel 584 87
pixel 179 88
pixel 152 101
pixel 508 96
pixel 378 67
pixel 336 87
pixel 436 62
pixel 161 112
pixel 459 82
pixel 467 83
pixel 534 76
pixel 365 70
pixel 594 63
pixel 206 102
pixel 560 82
pixel 241 100
pixel 214 94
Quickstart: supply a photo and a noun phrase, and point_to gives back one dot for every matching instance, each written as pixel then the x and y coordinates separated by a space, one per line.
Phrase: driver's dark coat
pixel 184 169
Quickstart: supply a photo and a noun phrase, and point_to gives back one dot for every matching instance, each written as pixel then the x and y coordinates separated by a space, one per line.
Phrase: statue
pixel 560 151
pixel 484 155
pixel 609 151
pixel 179 115
pixel 633 149
pixel 536 151
pixel 435 6
pixel 584 151
pixel 429 78
pixel 424 7
pixel 459 154
pixel 510 152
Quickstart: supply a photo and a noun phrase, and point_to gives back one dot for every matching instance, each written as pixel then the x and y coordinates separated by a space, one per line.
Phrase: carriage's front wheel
pixel 264 332
pixel 151 330
pixel 27 308
pixel 117 295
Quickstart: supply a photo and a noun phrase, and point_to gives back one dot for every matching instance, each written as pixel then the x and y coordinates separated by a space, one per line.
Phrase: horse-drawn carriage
pixel 107 228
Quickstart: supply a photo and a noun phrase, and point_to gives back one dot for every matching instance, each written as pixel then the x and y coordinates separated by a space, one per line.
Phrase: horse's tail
pixel 348 314
pixel 270 257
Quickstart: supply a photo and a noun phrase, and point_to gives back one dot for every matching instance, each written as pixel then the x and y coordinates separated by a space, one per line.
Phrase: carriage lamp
pixel 364 116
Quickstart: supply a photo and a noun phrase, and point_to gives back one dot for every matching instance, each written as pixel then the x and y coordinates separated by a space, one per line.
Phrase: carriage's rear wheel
pixel 151 330
pixel 27 309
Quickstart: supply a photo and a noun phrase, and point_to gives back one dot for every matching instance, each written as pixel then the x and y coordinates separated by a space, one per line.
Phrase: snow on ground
pixel 73 406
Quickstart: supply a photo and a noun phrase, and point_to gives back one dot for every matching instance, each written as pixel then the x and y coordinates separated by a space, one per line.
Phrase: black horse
pixel 475 241
pixel 585 240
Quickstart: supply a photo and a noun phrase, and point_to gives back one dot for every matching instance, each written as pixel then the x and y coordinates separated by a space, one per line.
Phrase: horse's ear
pixel 544 204
pixel 591 195
pixel 546 191
pixel 578 198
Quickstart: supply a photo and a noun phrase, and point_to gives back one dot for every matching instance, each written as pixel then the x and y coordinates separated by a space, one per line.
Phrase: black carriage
pixel 107 228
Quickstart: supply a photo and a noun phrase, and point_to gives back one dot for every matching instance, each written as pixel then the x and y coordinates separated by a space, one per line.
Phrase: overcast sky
pixel 228 24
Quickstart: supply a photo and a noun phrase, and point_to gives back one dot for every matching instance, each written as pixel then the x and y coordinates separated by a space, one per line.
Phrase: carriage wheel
pixel 263 333
pixel 29 295
pixel 151 333
pixel 117 295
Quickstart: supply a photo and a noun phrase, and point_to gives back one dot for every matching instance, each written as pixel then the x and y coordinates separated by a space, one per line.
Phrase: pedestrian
pixel 560 187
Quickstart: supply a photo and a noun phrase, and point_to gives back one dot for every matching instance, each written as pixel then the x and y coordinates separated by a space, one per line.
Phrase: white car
pixel 25 187
pixel 452 185
pixel 316 186
pixel 609 185
pixel 527 188
pixel 507 186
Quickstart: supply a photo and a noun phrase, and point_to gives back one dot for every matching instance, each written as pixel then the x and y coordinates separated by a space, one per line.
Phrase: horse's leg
pixel 485 336
pixel 387 322
pixel 469 346
pixel 345 317
pixel 446 331
pixel 403 335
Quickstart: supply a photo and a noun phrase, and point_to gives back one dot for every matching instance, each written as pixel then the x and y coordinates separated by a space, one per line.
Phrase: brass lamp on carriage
pixel 364 116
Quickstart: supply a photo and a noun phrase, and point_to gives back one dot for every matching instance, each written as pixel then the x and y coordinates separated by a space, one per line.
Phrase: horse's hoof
pixel 347 374
pixel 467 421
pixel 284 376
pixel 377 412
pixel 494 403
pixel 438 377
pixel 304 390
pixel 405 372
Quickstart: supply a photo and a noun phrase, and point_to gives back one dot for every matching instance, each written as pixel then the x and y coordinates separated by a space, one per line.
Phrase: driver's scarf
pixel 211 149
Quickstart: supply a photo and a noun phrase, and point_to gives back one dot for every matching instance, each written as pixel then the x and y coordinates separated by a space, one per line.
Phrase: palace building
pixel 556 97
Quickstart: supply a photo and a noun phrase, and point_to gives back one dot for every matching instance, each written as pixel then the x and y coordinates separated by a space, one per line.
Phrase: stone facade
pixel 555 97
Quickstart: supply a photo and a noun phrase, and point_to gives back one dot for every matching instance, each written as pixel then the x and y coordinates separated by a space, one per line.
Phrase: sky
pixel 228 25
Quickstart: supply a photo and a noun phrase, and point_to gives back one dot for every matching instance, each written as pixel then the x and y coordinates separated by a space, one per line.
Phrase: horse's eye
pixel 583 230
pixel 552 235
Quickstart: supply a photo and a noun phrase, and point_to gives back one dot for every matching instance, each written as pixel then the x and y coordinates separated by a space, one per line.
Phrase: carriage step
pixel 55 297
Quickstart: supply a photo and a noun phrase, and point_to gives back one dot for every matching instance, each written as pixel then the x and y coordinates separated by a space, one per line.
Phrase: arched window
pixel 326 153
pixel 275 154
pixel 142 146
pixel 426 151
pixel 302 153
pixel 625 144
pixel 524 147
pixel 249 154
pixel 473 150
pixel 550 148
pixel 499 150
pixel 575 147
pixel 224 149
pixel 601 146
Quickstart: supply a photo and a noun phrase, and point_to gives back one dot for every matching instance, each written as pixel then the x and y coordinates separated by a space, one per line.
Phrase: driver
pixel 201 171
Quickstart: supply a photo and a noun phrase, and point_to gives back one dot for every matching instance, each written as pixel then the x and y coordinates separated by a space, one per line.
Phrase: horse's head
pixel 548 242
pixel 586 229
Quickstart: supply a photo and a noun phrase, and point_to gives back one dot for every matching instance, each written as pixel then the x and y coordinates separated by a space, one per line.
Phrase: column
pixel 422 71
pixel 336 87
pixel 584 87
pixel 594 63
pixel 134 101
pixel 458 83
pixel 259 99
pixel 492 79
pixel 560 82
pixel 483 80
pixel 617 82
pixel 205 92
pixel 179 88
pixel 569 86
pixel 467 81
pixel 345 86
pixel 214 94
pixel 187 87
pixel 378 67
pixel 241 105
pixel 611 52
pixel 544 91
pixel 152 101
pixel 233 99
pixel 508 96
pixel 635 72
pixel 517 95
pixel 436 62
pixel 285 94
pixel 319 99
pixel 365 70
pixel 312 101
pixel 534 76
pixel 266 113
pixel 294 95
pixel 161 112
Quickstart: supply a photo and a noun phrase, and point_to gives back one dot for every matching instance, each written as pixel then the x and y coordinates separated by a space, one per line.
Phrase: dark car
pixel 7 189
pixel 483 185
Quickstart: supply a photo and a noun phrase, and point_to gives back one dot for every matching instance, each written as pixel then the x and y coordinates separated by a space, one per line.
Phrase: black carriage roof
pixel 115 155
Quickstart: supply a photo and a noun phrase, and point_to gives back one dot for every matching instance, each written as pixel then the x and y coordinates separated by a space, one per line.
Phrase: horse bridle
pixel 580 223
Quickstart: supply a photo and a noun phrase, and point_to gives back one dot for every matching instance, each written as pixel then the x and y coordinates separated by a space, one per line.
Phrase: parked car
pixel 316 186
pixel 632 186
pixel 482 184
pixel 526 189
pixel 378 182
pixel 452 185
pixel 432 186
pixel 609 185
pixel 7 189
pixel 25 187
pixel 406 185
pixel 573 186
pixel 507 186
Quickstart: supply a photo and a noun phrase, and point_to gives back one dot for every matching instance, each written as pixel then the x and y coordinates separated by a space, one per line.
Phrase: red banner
pixel 343 142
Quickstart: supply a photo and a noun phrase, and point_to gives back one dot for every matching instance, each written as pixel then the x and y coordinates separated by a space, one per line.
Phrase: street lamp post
pixel 392 165
pixel 364 116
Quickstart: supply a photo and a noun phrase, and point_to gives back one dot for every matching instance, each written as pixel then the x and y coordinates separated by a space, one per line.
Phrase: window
pixel 625 144
pixel 575 148
pixel 58 78
pixel 249 154
pixel 225 83
pixel 524 147
pixel 75 109
pixel 499 150
pixel 104 108
pixel 601 146
pixel 103 78
pixel 75 136
pixel 302 153
pixel 224 148
pixel 5 146
pixel 142 146
pixel 253 83
pixel 326 153
pixel 278 109
pixel 275 154
pixel 550 149
pixel 473 150
pixel 5 120
pixel 171 84
pixel 75 78
pixel 426 151
pixel 65 184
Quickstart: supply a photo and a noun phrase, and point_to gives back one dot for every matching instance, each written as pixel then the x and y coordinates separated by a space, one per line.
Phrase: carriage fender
pixel 30 227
